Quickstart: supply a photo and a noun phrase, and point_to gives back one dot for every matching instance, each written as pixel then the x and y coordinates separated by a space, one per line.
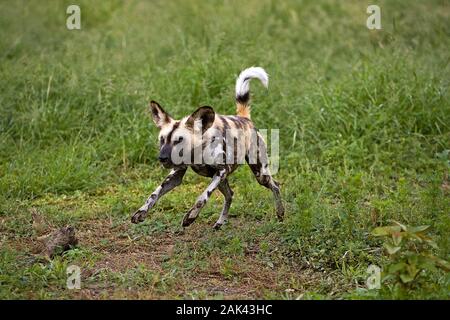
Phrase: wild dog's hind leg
pixel 201 201
pixel 174 179
pixel 224 187
pixel 260 168
pixel 265 179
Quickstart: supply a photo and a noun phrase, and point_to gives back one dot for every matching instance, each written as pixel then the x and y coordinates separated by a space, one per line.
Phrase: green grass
pixel 364 119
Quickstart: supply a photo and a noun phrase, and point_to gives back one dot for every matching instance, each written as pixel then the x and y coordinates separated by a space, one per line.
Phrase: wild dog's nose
pixel 163 158
pixel 164 153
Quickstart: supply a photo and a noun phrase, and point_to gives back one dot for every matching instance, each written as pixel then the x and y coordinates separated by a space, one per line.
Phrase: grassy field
pixel 364 119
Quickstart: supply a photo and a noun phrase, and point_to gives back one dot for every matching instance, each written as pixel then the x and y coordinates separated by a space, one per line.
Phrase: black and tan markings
pixel 217 132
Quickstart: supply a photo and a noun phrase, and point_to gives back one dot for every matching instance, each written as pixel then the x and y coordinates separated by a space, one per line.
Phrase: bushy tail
pixel 243 88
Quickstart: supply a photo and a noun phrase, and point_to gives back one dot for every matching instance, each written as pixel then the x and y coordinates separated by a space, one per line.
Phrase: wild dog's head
pixel 178 139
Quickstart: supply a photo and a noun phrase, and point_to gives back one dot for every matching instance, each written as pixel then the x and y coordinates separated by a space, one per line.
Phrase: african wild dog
pixel 212 145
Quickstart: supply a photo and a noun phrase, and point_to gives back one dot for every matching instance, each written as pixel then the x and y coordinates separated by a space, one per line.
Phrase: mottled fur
pixel 200 141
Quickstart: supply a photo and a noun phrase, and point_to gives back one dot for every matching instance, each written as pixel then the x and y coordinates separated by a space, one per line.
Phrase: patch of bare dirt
pixel 116 251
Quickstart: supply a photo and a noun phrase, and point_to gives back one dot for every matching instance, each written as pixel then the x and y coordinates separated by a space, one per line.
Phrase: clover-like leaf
pixel 417 229
pixel 391 248
pixel 402 226
pixel 406 277
pixel 441 263
pixel 397 237
pixel 385 231
pixel 394 268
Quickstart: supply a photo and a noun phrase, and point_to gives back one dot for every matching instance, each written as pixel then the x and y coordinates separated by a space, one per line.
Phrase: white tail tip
pixel 243 81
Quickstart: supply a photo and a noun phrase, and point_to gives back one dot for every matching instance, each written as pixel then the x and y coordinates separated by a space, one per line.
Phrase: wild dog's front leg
pixel 201 201
pixel 174 179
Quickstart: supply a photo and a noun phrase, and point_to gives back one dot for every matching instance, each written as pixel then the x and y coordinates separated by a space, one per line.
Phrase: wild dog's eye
pixel 177 141
pixel 161 140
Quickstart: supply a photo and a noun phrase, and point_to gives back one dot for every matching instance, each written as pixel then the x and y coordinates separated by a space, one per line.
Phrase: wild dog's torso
pixel 232 134
pixel 205 170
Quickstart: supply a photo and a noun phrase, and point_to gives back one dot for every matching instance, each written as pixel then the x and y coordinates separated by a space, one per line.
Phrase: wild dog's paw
pixel 187 220
pixel 217 225
pixel 280 213
pixel 138 216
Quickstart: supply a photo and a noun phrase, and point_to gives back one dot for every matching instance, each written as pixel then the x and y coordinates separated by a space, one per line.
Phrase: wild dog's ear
pixel 204 114
pixel 160 117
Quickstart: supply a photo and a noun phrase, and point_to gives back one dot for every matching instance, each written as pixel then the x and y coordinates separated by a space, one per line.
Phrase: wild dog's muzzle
pixel 165 156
